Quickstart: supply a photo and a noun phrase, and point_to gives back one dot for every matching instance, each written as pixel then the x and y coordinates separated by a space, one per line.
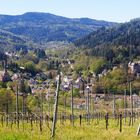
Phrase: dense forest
pixel 12 42
pixel 119 42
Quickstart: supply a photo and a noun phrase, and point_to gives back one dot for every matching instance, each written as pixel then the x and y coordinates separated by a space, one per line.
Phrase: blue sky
pixel 111 10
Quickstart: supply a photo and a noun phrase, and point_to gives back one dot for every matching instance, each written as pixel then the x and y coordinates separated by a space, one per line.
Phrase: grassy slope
pixel 67 132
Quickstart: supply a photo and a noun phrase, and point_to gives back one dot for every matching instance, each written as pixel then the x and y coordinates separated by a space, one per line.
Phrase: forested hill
pixel 11 42
pixel 117 44
pixel 44 27
pixel 123 34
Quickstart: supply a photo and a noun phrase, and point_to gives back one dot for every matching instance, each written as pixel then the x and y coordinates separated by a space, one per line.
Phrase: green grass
pixel 65 131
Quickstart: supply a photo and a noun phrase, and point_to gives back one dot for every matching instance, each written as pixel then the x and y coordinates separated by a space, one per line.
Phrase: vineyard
pixel 95 126
pixel 60 119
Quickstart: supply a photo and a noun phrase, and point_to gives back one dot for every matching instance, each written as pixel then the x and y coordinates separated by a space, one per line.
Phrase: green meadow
pixel 93 131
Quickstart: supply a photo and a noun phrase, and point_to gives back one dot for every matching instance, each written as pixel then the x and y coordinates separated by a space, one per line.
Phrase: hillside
pixel 44 27
pixel 10 41
pixel 122 34
pixel 116 43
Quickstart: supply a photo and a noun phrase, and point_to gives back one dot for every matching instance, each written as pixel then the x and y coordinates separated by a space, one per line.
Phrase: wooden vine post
pixel 56 107
pixel 121 122
pixel 72 113
pixel 125 105
pixel 88 113
pixel 106 120
pixel 114 105
pixel 17 109
pixel 131 102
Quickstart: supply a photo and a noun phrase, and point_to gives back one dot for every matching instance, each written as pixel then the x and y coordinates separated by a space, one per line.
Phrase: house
pixel 66 83
pixel 15 77
pixel 4 75
pixel 100 75
pixel 81 83
pixel 12 55
pixel 104 72
pixel 134 67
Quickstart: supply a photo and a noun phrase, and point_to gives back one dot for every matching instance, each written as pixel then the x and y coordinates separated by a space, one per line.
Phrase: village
pixel 45 82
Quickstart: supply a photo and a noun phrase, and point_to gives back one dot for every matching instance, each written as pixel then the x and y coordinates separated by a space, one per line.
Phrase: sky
pixel 110 10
